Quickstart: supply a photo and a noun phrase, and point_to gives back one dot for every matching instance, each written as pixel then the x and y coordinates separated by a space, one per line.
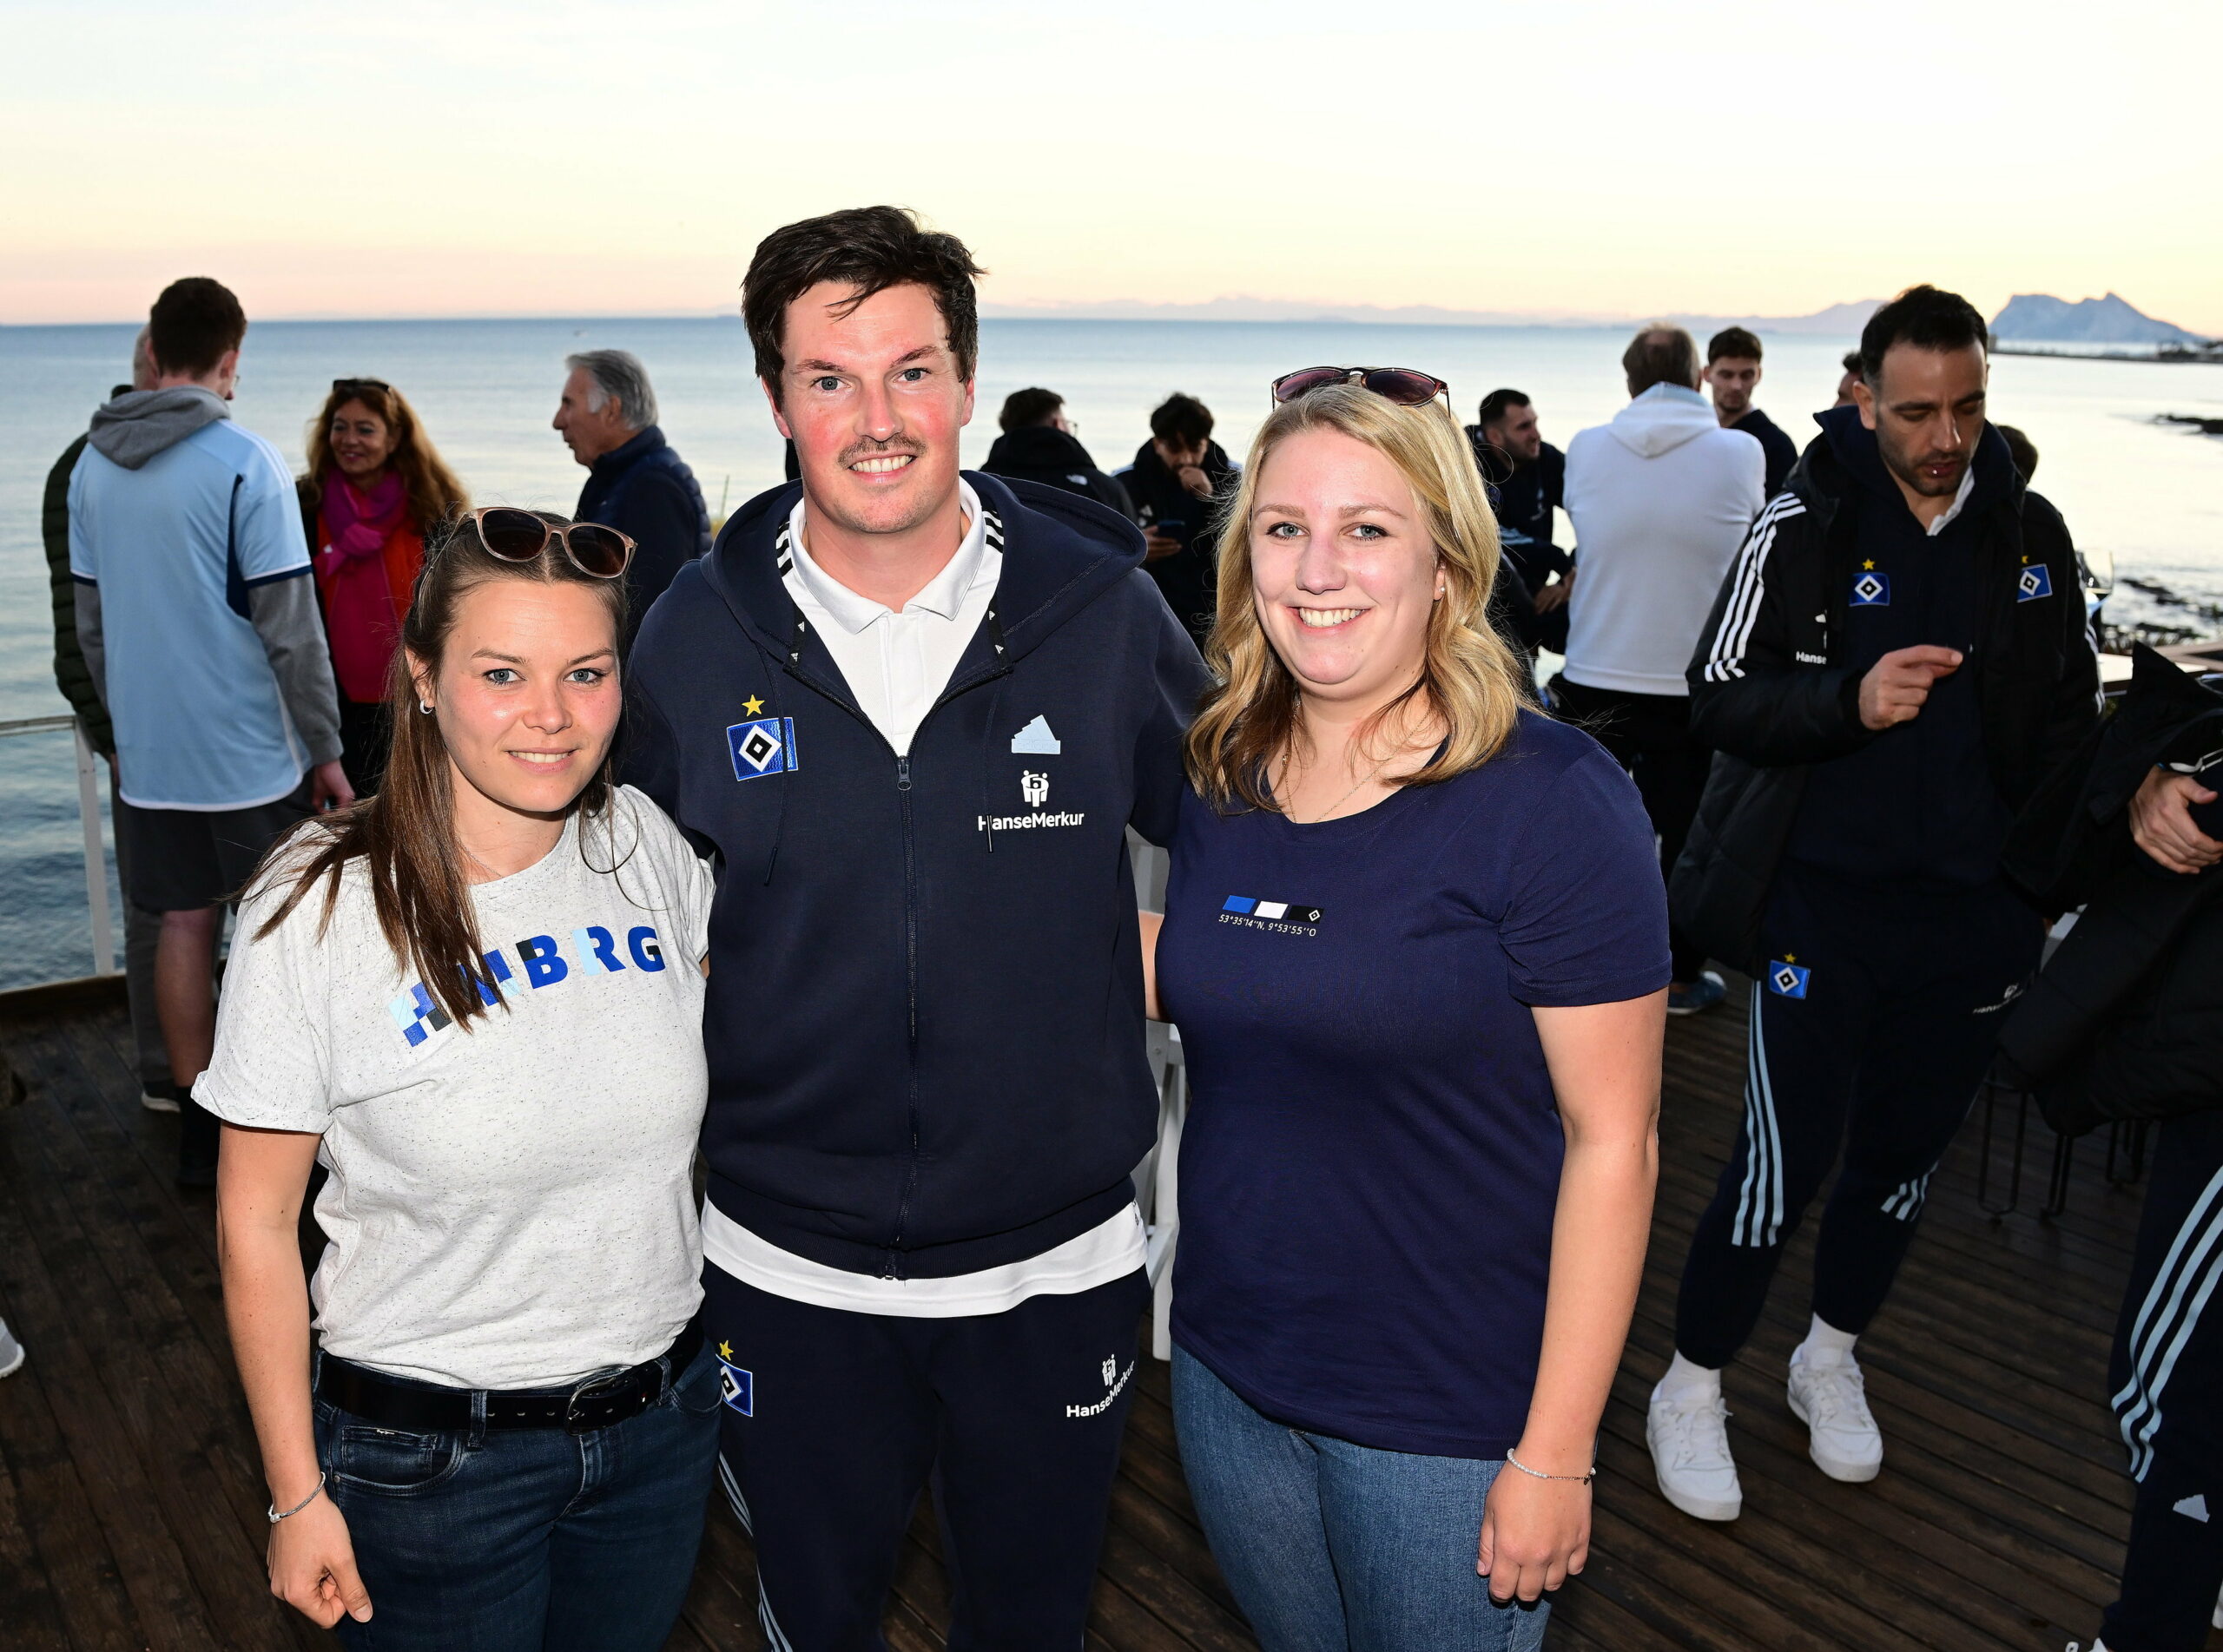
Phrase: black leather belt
pixel 600 1402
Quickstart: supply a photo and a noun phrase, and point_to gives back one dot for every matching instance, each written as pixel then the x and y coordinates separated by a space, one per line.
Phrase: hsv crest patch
pixel 1871 590
pixel 2034 581
pixel 735 1386
pixel 762 745
pixel 1786 980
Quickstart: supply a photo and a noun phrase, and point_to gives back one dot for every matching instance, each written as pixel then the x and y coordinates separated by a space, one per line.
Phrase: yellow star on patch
pixel 1868 565
pixel 1790 957
pixel 725 1350
pixel 752 704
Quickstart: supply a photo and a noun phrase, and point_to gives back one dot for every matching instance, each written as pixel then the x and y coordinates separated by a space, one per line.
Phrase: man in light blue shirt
pixel 199 622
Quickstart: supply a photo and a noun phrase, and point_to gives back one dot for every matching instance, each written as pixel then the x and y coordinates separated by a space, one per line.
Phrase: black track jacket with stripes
pixel 1772 693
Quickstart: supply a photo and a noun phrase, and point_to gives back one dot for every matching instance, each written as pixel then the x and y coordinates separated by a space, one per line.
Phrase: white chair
pixel 1157 1177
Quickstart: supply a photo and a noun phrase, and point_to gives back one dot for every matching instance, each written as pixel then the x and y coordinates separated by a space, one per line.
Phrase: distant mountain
pixel 2109 320
pixel 1841 320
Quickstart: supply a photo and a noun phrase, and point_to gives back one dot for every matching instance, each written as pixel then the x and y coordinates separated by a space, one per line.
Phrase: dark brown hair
pixel 868 249
pixel 1026 408
pixel 1927 316
pixel 1182 419
pixel 1739 342
pixel 406 835
pixel 193 324
pixel 435 495
pixel 1497 405
pixel 1661 354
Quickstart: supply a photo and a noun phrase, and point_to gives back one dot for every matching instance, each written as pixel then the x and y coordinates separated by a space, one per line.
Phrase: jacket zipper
pixel 893 1270
pixel 910 1008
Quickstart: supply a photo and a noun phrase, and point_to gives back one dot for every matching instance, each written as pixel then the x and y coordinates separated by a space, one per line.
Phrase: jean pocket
pixel 701 1387
pixel 393 1462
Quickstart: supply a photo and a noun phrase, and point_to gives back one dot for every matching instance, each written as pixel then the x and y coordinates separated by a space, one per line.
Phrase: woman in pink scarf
pixel 373 487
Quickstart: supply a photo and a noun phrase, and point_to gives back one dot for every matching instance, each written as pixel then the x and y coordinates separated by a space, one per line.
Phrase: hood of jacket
pixel 1662 419
pixel 1858 461
pixel 1061 551
pixel 1040 447
pixel 136 426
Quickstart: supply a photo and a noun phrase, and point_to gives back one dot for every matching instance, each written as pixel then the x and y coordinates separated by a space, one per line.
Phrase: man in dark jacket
pixel 1898 656
pixel 607 417
pixel 1038 444
pixel 1528 478
pixel 914 711
pixel 1733 373
pixel 1180 482
pixel 142 929
pixel 2126 1021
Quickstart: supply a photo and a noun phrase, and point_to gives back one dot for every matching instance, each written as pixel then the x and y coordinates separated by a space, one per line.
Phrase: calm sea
pixel 2147 492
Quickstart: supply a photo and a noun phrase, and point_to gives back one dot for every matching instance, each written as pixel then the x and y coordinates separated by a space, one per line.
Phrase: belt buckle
pixel 576 1419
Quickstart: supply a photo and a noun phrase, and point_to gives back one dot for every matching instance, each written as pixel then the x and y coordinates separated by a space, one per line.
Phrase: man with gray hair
pixel 608 418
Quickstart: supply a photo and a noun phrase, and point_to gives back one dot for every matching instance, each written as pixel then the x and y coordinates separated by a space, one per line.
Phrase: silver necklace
pixel 1282 785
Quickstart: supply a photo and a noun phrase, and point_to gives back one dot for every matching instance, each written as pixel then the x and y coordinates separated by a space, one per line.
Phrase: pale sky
pixel 407 158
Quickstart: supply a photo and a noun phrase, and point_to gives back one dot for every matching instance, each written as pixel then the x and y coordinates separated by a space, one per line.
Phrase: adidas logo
pixel 2194 1507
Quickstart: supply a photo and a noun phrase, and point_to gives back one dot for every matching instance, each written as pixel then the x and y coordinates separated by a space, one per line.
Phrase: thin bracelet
pixel 276 1515
pixel 1580 1479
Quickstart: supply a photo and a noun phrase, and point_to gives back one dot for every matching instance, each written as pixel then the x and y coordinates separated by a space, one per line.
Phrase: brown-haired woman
pixel 476 999
pixel 1416 945
pixel 375 488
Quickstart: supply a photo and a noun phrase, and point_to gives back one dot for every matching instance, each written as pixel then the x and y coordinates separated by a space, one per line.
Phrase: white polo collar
pixel 1960 497
pixel 943 595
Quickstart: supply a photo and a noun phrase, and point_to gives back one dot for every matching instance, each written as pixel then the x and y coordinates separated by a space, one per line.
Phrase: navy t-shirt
pixel 1372 1156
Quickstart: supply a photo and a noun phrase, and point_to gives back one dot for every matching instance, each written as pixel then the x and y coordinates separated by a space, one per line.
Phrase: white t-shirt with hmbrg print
pixel 509 1205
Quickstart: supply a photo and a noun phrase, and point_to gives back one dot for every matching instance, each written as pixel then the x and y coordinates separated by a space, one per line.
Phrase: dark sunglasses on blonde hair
pixel 515 535
pixel 1406 386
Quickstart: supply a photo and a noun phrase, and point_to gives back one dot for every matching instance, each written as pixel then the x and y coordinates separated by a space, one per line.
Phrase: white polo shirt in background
pixel 896 664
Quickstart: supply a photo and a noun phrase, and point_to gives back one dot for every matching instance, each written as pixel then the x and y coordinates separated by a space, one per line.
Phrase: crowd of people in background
pixel 862 820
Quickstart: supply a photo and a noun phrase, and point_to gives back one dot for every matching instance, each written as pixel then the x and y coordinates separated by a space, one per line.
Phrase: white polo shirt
pixel 896 664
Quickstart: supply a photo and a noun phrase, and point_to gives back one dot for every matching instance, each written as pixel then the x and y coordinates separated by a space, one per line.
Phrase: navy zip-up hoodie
pixel 924 1017
pixel 1916 805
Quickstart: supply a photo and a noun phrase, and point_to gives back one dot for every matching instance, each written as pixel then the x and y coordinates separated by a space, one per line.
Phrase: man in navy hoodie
pixel 1897 657
pixel 913 711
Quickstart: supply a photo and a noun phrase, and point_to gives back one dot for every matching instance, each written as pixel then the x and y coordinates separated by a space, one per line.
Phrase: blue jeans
pixel 526 1539
pixel 1332 1547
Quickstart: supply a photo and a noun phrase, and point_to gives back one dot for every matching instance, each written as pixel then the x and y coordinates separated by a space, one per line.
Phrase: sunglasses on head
pixel 515 535
pixel 1404 385
pixel 341 386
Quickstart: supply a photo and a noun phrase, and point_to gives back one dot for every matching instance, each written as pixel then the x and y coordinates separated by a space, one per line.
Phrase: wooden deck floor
pixel 131 1514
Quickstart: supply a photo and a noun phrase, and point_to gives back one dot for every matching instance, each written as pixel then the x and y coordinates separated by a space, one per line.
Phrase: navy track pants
pixel 1870 1031
pixel 835 1420
pixel 2167 1379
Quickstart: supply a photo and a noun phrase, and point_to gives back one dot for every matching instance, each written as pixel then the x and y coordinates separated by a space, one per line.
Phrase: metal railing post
pixel 89 816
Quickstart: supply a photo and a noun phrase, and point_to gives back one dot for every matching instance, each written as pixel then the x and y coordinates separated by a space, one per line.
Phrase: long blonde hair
pixel 1469 677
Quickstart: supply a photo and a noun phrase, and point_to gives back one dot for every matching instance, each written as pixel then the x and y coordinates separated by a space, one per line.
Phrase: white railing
pixel 89 819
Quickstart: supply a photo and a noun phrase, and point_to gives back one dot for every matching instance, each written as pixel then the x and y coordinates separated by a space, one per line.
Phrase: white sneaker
pixel 1832 1401
pixel 11 1352
pixel 1689 1436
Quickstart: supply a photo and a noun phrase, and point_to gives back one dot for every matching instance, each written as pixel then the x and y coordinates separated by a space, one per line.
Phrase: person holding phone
pixel 1178 482
pixel 476 999
pixel 1416 945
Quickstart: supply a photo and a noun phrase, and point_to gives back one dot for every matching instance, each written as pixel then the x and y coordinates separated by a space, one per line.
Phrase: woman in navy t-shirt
pixel 1416 945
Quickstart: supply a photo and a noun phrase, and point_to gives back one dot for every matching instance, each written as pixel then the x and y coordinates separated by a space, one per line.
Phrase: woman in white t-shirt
pixel 476 999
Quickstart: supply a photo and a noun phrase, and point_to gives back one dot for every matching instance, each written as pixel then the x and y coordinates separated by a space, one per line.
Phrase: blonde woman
pixel 1416 945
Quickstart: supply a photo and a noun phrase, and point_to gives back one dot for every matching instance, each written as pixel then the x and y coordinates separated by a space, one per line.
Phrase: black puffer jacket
pixel 1055 458
pixel 1773 693
pixel 2126 1019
